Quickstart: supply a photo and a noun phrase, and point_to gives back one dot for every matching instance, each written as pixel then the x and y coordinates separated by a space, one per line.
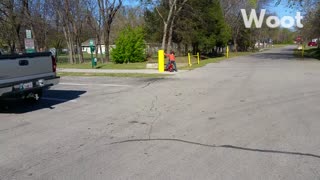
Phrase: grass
pixel 215 60
pixel 132 75
pixel 203 63
pixel 182 60
pixel 64 58
pixel 104 66
pixel 310 52
pixel 313 53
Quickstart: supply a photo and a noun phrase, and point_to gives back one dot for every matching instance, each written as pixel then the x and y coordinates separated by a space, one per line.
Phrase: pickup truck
pixel 27 75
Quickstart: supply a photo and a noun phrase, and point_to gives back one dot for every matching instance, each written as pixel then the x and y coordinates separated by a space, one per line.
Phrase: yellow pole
pixel 189 58
pixel 161 60
pixel 198 54
pixel 227 51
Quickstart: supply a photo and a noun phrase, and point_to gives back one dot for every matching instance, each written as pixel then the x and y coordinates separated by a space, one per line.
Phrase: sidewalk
pixel 125 71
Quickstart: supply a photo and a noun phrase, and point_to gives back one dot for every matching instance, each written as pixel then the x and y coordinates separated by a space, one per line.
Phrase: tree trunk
pixel 186 49
pixel 97 46
pixel 69 39
pixel 164 37
pixel 179 49
pixel 167 23
pixel 80 53
pixel 235 42
pixel 169 46
pixel 235 45
pixel 101 52
pixel 20 39
pixel 107 43
pixel 70 52
pixel 12 47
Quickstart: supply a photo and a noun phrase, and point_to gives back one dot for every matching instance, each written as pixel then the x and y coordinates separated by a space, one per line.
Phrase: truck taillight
pixel 54 64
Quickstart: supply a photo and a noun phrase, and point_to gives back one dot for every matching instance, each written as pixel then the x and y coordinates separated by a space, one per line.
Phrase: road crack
pixel 156 117
pixel 221 146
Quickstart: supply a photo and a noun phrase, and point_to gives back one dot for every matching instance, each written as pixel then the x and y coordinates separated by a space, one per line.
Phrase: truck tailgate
pixel 25 67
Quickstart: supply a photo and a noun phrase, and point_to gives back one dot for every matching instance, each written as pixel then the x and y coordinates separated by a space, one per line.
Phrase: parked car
pixel 312 44
pixel 27 75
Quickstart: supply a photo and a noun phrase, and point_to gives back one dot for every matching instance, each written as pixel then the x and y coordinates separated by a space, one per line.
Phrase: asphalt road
pixel 254 117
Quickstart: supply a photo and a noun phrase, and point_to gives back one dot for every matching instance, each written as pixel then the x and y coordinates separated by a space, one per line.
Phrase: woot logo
pixel 271 21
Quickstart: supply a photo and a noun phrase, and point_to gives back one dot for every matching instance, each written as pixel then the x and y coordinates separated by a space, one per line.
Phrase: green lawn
pixel 64 58
pixel 313 53
pixel 104 66
pixel 132 75
pixel 87 65
pixel 310 52
pixel 63 63
pixel 215 60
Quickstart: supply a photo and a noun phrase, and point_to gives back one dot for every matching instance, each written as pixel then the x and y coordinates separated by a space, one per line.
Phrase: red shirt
pixel 171 57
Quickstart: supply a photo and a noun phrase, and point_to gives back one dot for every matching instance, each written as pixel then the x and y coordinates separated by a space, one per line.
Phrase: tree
pixel 168 11
pixel 94 20
pixel 199 23
pixel 311 28
pixel 71 14
pixel 17 16
pixel 64 17
pixel 153 26
pixel 11 23
pixel 108 10
pixel 130 46
pixel 231 10
pixel 36 17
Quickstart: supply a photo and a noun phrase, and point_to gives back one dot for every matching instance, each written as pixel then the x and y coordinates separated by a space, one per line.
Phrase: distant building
pixel 86 47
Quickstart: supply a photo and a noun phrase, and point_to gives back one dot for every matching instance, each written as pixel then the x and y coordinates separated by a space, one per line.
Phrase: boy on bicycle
pixel 172 59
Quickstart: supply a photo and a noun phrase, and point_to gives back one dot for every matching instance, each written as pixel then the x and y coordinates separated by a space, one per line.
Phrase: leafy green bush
pixel 130 46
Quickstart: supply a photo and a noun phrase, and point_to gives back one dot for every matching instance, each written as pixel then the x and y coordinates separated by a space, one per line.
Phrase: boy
pixel 172 59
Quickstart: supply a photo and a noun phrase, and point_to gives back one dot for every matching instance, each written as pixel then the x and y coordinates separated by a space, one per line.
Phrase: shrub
pixel 130 46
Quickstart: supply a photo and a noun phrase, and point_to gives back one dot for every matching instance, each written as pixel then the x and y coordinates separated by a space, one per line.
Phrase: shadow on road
pixel 50 99
pixel 275 56
pixel 283 54
pixel 223 146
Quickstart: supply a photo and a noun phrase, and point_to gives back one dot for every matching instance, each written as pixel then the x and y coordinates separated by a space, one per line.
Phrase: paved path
pixel 254 117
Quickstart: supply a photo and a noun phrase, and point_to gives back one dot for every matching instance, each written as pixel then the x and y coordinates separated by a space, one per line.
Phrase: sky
pixel 130 2
pixel 282 9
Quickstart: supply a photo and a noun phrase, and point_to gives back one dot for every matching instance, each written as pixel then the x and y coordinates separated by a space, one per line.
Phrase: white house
pixel 86 47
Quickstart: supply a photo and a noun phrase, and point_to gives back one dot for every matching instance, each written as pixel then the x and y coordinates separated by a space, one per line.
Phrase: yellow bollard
pixel 198 54
pixel 189 58
pixel 161 60
pixel 227 51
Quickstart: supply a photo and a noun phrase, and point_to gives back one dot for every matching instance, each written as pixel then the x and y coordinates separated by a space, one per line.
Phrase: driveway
pixel 252 117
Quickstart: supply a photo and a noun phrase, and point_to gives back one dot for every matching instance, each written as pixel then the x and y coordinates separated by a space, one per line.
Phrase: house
pixel 315 40
pixel 86 46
